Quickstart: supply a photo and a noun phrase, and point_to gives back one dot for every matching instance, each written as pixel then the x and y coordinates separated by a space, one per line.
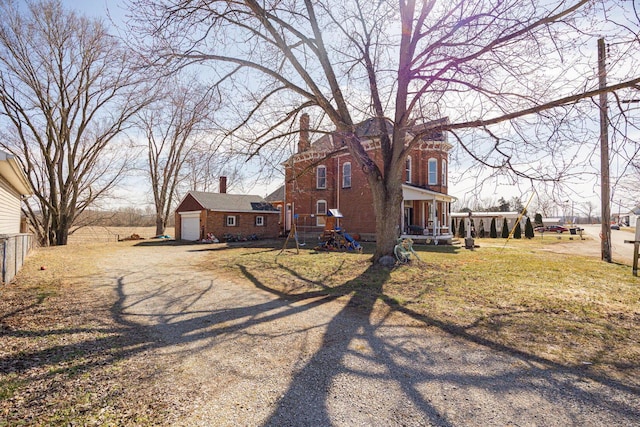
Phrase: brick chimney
pixel 223 184
pixel 303 142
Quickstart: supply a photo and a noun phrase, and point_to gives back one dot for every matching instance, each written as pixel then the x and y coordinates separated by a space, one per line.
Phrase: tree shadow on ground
pixel 313 385
pixel 401 364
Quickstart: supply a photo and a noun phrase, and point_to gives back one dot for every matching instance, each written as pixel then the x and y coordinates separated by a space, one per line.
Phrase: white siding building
pixel 13 186
pixel 14 246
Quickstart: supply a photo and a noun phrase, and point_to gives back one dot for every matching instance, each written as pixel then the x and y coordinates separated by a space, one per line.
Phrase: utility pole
pixel 604 155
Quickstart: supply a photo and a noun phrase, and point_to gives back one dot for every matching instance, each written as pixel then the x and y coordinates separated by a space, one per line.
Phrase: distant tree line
pixel 123 217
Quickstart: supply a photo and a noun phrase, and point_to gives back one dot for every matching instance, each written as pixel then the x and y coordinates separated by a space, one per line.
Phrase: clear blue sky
pixel 98 8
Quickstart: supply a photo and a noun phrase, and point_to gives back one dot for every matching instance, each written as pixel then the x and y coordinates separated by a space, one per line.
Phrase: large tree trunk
pixel 62 230
pixel 161 225
pixel 387 201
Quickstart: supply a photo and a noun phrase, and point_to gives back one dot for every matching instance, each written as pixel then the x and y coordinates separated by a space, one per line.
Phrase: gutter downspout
pixel 4 260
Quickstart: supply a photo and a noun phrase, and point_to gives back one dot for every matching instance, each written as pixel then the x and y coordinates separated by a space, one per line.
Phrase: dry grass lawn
pixel 79 370
pixel 534 297
pixel 528 297
pixel 99 234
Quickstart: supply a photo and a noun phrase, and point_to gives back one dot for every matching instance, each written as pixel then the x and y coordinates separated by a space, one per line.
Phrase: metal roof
pixel 225 202
pixel 413 192
pixel 13 173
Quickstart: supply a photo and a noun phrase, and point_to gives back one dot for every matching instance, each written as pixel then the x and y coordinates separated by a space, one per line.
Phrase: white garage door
pixel 190 226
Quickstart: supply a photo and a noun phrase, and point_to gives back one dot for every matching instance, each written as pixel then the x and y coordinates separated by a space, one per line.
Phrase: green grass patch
pixel 9 385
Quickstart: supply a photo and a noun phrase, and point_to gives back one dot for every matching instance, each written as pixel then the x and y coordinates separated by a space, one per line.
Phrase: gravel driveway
pixel 233 354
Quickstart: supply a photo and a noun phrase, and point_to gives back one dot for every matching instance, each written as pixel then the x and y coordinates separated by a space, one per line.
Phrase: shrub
pixel 517 232
pixel 493 232
pixel 528 229
pixel 537 220
pixel 505 228
pixel 461 230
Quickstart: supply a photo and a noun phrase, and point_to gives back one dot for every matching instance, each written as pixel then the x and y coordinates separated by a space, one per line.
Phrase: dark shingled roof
pixel 276 196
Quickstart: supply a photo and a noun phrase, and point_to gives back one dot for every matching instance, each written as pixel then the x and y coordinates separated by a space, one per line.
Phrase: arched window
pixel 321 212
pixel 346 175
pixel 433 171
pixel 443 180
pixel 321 177
pixel 408 169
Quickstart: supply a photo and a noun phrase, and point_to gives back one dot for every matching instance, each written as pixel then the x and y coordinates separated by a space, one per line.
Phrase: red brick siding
pixel 216 223
pixel 355 203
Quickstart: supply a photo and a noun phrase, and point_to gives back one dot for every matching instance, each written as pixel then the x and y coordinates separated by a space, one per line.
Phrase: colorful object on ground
pixel 404 249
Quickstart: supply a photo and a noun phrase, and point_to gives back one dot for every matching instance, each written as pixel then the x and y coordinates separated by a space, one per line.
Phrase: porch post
pixel 445 215
pixel 434 208
pixel 402 217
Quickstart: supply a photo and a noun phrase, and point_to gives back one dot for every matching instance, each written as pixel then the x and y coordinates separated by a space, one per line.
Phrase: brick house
pixel 322 176
pixel 200 213
pixel 276 199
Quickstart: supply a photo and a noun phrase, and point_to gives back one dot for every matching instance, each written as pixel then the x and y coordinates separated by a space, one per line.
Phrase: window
pixel 231 221
pixel 433 171
pixel 443 180
pixel 321 177
pixel 346 175
pixel 259 221
pixel 321 212
pixel 408 169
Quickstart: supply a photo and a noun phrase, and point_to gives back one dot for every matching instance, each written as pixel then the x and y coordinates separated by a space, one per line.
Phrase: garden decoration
pixel 404 249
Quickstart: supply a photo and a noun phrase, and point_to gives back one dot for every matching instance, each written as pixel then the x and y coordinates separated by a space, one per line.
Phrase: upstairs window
pixel 231 221
pixel 408 169
pixel 259 221
pixel 321 177
pixel 433 172
pixel 443 180
pixel 346 175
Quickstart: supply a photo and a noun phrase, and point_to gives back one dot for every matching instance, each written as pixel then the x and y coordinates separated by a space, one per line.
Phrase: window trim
pixel 346 184
pixel 444 172
pixel 324 184
pixel 434 175
pixel 408 168
pixel 231 221
pixel 260 221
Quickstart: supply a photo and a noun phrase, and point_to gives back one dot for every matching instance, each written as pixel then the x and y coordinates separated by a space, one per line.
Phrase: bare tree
pixel 173 127
pixel 66 92
pixel 589 208
pixel 509 74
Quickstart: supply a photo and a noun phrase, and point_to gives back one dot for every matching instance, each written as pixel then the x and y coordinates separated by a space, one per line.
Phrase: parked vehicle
pixel 615 226
pixel 551 229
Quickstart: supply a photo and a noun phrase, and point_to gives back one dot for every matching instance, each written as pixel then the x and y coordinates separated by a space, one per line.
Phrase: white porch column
pixel 445 215
pixel 402 217
pixel 434 219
